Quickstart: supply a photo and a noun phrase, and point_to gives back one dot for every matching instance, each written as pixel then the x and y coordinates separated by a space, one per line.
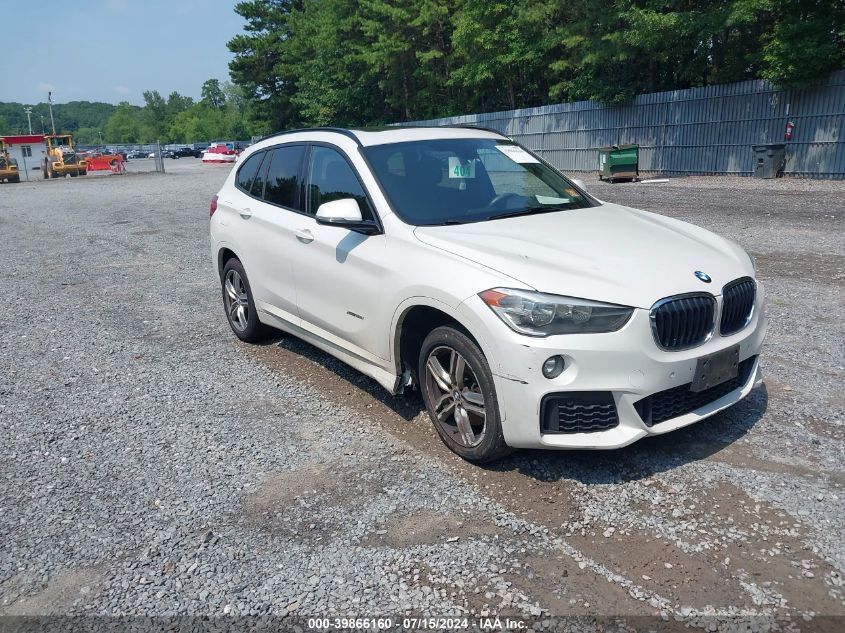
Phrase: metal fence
pixel 700 131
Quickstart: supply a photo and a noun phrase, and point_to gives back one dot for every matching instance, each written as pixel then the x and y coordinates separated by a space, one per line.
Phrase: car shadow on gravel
pixel 407 406
pixel 647 457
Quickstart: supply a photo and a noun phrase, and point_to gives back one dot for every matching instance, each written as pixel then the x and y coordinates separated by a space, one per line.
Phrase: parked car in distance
pixel 137 153
pixel 452 260
pixel 183 152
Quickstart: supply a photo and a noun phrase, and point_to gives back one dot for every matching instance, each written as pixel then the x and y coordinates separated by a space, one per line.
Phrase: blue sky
pixel 113 50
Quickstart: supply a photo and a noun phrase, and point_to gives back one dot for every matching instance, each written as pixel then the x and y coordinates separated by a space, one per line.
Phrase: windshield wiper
pixel 538 208
pixel 446 223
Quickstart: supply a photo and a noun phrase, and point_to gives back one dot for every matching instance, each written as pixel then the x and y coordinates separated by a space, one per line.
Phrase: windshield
pixel 454 181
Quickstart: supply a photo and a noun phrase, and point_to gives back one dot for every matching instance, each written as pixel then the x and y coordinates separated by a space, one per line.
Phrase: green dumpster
pixel 620 162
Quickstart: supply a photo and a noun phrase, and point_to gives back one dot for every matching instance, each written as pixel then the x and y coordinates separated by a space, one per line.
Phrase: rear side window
pixel 332 178
pixel 247 172
pixel 282 186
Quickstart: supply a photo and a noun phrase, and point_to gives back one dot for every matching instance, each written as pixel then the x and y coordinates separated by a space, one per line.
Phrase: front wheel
pixel 240 306
pixel 459 395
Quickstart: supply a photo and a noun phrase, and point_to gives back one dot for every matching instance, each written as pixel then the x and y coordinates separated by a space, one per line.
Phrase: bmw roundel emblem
pixel 703 276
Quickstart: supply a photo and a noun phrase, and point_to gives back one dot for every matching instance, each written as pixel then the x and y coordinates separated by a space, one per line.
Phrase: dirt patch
pixel 565 589
pixel 825 268
pixel 427 527
pixel 825 428
pixel 767 549
pixel 310 503
pixel 660 566
pixel 741 457
pixel 59 595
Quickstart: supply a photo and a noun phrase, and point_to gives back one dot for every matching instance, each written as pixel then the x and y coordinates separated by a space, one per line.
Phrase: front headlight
pixel 539 314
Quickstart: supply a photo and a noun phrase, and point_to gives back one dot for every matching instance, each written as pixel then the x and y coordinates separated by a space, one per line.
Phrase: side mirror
pixel 345 213
pixel 578 183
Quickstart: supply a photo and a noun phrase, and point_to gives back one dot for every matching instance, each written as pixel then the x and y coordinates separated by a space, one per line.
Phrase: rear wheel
pixel 239 304
pixel 459 395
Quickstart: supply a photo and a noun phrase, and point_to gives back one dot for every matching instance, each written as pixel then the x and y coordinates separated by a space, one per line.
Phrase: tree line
pixel 367 62
pixel 221 113
pixel 356 62
pixel 85 118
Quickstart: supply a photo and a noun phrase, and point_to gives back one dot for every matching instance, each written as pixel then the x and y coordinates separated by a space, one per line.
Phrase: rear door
pixel 266 227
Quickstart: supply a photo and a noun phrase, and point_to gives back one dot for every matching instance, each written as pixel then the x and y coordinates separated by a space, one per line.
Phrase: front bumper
pixel 627 363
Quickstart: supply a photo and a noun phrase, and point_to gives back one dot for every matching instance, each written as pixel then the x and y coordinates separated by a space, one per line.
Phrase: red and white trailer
pixel 220 153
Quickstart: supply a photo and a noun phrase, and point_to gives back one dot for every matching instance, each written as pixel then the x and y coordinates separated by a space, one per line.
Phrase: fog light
pixel 553 367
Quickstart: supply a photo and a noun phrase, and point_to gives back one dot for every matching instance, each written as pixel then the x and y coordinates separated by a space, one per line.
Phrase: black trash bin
pixel 769 160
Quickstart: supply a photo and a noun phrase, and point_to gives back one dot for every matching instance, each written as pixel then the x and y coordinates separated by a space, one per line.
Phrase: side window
pixel 247 172
pixel 257 188
pixel 332 178
pixel 282 186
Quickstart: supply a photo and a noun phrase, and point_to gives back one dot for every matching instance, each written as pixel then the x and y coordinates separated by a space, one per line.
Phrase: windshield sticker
pixel 552 200
pixel 516 154
pixel 461 169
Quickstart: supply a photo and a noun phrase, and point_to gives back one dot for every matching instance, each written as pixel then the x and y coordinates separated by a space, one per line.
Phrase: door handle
pixel 304 235
pixel 245 213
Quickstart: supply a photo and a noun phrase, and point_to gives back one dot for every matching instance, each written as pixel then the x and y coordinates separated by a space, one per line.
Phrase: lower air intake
pixel 578 412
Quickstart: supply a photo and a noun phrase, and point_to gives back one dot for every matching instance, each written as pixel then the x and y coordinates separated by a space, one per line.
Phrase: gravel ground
pixel 153 465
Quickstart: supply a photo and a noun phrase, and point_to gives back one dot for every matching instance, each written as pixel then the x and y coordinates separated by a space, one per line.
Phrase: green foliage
pixel 361 62
pixel 355 62
pixel 805 43
pixel 222 113
pixel 124 124
pixel 212 94
pixel 88 136
pixel 69 116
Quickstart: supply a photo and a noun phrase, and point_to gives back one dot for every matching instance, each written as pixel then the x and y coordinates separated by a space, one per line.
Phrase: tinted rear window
pixel 247 172
pixel 282 186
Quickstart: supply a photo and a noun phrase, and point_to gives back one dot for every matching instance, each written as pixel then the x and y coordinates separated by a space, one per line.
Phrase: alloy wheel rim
pixel 455 394
pixel 237 301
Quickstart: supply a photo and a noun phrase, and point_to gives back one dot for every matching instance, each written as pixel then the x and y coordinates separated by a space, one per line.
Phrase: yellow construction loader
pixel 61 159
pixel 8 165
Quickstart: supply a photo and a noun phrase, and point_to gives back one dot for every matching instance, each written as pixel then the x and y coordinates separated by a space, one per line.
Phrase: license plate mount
pixel 714 369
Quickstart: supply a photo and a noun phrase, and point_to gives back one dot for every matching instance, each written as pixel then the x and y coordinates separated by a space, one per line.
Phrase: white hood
pixel 606 253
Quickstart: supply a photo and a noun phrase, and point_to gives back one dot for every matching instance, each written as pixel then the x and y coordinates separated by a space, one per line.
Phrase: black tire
pixel 247 327
pixel 487 443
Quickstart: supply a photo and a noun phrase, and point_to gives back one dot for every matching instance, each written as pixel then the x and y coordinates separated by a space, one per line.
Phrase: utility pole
pixel 28 119
pixel 50 103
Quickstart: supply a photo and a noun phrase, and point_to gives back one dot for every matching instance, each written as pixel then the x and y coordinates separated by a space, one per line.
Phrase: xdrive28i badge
pixel 703 276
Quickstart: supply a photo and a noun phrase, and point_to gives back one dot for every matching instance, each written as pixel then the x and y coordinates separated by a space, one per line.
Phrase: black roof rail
pixel 337 130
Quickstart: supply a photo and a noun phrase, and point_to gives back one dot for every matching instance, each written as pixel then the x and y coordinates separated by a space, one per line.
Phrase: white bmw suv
pixel 452 260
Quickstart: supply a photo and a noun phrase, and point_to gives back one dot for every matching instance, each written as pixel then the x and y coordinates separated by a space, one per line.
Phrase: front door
pixel 340 273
